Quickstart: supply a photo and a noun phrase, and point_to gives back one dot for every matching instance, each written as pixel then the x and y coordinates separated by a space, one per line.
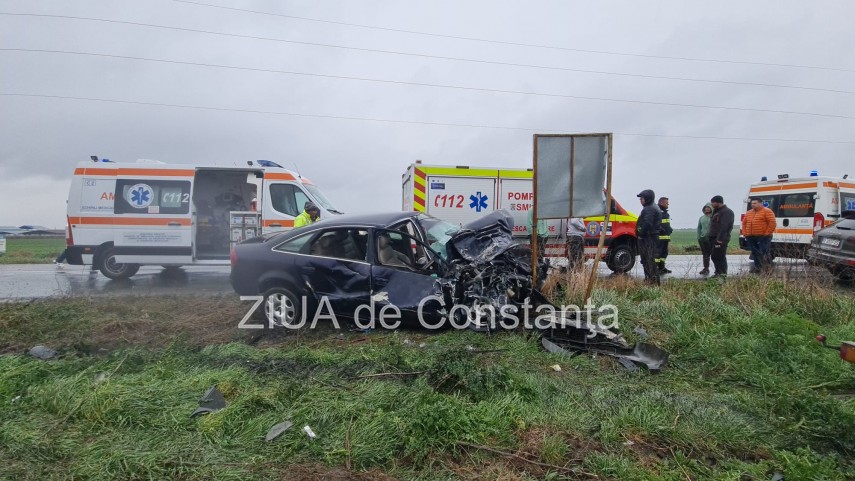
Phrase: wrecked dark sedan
pixel 417 263
pixel 834 247
pixel 410 268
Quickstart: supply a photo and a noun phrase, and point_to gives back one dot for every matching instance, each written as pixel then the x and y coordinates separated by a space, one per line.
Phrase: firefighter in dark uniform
pixel 664 237
pixel 647 232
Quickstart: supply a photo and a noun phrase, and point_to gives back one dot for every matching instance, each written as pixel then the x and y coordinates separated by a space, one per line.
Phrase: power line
pixel 517 44
pixel 421 84
pixel 441 57
pixel 400 121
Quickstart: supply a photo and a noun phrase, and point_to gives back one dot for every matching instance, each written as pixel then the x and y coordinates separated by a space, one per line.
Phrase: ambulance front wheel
pixel 112 269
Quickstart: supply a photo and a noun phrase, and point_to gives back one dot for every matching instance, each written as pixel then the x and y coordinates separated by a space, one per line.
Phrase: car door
pixel 152 222
pixel 405 273
pixel 335 266
pixel 284 200
pixel 795 219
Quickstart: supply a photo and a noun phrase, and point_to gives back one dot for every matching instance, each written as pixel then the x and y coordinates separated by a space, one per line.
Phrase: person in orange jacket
pixel 758 227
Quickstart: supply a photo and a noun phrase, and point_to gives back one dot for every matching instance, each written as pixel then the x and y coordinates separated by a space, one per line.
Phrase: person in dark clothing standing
pixel 721 225
pixel 647 232
pixel 664 237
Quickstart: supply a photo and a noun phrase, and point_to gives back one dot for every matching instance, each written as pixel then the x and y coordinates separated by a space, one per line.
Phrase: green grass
pixel 685 241
pixel 747 392
pixel 22 250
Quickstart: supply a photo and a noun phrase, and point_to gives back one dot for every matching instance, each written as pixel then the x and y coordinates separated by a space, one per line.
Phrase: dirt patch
pixel 533 443
pixel 113 323
pixel 158 322
pixel 651 451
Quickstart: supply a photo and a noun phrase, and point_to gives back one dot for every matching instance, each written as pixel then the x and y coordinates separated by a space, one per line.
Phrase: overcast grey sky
pixel 358 163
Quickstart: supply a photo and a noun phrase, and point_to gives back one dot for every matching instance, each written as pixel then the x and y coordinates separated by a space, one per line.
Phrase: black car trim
pixel 324 257
pixel 277 246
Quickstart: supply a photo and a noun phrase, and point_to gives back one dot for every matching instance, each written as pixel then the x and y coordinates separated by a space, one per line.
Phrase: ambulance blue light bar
pixel 267 163
pixel 814 173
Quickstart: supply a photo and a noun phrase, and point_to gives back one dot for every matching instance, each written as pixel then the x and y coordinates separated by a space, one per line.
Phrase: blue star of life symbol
pixel 139 196
pixel 479 201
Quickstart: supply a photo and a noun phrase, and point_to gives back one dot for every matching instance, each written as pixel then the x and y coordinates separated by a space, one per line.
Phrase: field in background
pixel 748 392
pixel 21 250
pixel 685 241
pixel 32 250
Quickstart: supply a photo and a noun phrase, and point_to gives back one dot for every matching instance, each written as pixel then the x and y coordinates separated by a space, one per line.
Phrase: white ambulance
pixel 802 206
pixel 461 194
pixel 124 215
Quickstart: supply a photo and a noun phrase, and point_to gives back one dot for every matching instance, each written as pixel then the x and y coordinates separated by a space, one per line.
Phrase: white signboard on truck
pixel 462 194
pixel 460 200
pixel 516 196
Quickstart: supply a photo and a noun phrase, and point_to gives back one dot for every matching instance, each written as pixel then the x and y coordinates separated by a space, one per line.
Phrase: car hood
pixel 484 239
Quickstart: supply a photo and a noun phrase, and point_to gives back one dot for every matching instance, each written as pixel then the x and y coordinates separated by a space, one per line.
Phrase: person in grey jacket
pixel 721 225
pixel 704 239
pixel 575 242
pixel 647 232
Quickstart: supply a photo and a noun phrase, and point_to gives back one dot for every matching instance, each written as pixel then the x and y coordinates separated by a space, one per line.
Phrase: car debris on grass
pixel 212 401
pixel 475 277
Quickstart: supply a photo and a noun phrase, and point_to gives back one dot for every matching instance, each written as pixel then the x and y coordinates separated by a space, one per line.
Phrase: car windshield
pixel 845 224
pixel 438 233
pixel 320 199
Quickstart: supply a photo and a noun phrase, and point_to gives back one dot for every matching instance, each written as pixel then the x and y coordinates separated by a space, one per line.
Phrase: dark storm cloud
pixel 359 163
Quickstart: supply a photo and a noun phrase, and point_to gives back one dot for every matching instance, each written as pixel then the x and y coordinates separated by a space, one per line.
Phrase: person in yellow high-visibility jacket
pixel 309 215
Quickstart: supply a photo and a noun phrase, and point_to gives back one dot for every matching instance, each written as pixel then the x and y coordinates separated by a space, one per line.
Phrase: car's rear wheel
pixel 110 268
pixel 621 258
pixel 281 308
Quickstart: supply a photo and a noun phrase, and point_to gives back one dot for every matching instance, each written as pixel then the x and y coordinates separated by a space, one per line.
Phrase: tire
pixel 277 298
pixel 113 270
pixel 621 258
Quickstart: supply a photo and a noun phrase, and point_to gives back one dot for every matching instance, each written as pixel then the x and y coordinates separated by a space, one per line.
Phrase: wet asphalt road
pixel 21 282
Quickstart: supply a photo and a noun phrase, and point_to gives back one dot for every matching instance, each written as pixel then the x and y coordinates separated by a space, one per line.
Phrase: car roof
pixel 368 220
pixel 384 219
